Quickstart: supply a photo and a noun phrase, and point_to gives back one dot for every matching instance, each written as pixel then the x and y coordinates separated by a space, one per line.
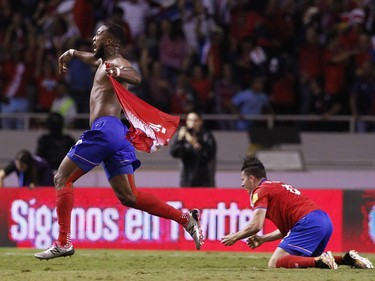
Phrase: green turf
pixel 107 265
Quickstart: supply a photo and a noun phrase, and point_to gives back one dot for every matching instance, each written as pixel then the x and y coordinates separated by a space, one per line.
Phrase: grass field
pixel 107 265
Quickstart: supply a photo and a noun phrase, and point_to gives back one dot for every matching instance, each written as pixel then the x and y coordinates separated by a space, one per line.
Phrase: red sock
pixel 290 261
pixel 64 206
pixel 154 206
pixel 339 260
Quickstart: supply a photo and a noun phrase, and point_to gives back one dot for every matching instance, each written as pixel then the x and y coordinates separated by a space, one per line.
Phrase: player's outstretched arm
pixel 124 70
pixel 256 240
pixel 86 57
pixel 272 236
pixel 251 229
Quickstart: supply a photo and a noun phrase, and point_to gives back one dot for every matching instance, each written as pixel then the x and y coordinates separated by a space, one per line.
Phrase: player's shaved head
pixel 252 166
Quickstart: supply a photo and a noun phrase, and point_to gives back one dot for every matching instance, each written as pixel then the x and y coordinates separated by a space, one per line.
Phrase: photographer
pixel 196 146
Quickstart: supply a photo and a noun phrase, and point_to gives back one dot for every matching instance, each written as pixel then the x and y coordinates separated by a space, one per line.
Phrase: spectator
pixel 54 145
pixel 282 90
pixel 64 104
pixel 47 85
pixel 243 21
pixel 84 17
pixel 250 101
pixel 247 34
pixel 309 68
pixel 365 51
pixel 136 14
pixel 201 83
pixel 310 55
pixel 197 26
pixel 183 98
pixel 278 26
pixel 223 91
pixel 158 86
pixel 15 74
pixel 32 171
pixel 221 11
pixel 62 32
pixel 79 80
pixel 149 43
pixel 335 62
pixel 196 147
pixel 319 103
pixel 118 17
pixel 173 49
pixel 250 61
pixel 15 33
pixel 362 96
pixel 6 14
pixel 313 101
pixel 213 54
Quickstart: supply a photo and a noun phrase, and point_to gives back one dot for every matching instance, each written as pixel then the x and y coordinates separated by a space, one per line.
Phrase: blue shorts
pixel 105 143
pixel 309 236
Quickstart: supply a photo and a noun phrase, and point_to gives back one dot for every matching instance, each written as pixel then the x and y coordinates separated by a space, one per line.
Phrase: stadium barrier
pixel 28 219
pixel 32 119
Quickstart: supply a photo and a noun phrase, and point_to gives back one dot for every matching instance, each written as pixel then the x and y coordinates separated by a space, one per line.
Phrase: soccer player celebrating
pixel 105 143
pixel 304 228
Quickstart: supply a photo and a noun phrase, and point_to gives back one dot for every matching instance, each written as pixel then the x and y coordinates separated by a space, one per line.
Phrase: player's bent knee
pixel 272 263
pixel 127 200
pixel 57 180
pixel 60 181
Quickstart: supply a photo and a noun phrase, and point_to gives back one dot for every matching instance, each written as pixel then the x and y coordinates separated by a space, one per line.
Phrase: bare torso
pixel 103 100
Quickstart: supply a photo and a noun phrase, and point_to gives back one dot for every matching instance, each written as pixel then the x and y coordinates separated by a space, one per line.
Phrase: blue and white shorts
pixel 309 236
pixel 105 143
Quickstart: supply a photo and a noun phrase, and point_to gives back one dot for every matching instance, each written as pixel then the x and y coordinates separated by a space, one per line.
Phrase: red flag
pixel 150 128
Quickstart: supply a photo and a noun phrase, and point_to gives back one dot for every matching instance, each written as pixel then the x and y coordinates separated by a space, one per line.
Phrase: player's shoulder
pixel 271 183
pixel 270 186
pixel 121 62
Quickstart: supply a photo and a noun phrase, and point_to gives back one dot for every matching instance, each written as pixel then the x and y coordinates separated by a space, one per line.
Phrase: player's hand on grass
pixel 254 241
pixel 228 240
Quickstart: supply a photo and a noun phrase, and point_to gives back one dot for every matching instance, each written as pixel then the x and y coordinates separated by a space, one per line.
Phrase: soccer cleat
pixel 55 251
pixel 326 260
pixel 194 229
pixel 353 259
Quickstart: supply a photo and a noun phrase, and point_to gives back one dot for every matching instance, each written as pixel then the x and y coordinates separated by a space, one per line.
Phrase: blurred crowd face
pixel 20 166
pixel 258 85
pixel 194 122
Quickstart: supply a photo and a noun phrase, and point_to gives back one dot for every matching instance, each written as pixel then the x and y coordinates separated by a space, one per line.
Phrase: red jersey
pixel 150 128
pixel 285 205
pixel 334 73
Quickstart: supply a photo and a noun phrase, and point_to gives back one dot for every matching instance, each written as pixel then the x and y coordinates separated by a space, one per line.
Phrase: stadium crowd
pixel 214 57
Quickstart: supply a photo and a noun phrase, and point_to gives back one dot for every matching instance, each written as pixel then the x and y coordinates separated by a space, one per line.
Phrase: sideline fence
pixel 348 122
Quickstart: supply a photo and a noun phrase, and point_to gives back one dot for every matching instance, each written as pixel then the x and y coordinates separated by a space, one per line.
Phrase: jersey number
pixel 291 189
pixel 158 128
